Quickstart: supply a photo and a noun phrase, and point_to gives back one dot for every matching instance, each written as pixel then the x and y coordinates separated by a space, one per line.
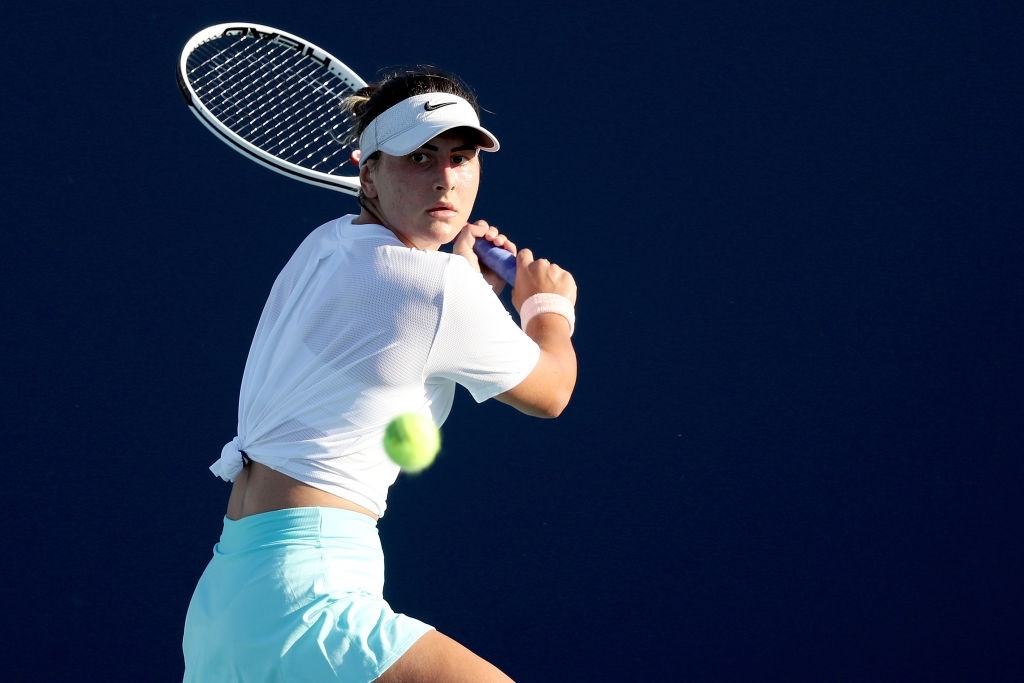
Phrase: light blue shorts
pixel 295 595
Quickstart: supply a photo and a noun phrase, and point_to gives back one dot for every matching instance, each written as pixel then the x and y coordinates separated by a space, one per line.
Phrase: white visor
pixel 404 128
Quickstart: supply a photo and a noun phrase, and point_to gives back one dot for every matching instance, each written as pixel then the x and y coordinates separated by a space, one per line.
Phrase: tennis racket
pixel 275 98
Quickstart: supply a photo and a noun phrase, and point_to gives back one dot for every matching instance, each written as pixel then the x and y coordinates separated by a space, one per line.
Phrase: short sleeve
pixel 478 344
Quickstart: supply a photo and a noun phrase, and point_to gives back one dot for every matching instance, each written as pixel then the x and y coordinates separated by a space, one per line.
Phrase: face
pixel 426 197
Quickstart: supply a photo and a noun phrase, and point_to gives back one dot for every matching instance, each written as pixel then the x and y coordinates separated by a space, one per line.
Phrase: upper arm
pixel 546 391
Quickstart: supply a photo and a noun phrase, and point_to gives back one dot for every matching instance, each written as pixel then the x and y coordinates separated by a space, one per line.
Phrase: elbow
pixel 556 398
pixel 543 412
pixel 554 406
pixel 545 393
pixel 558 406
pixel 548 405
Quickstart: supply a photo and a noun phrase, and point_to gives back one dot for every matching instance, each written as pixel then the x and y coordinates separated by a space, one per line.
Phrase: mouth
pixel 442 210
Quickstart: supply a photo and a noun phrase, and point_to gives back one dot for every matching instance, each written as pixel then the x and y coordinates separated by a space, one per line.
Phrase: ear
pixel 366 179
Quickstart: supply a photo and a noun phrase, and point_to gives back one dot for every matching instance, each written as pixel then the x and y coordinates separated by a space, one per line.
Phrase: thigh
pixel 436 658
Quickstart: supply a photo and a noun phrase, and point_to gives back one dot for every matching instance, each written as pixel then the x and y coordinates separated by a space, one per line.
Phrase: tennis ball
pixel 412 441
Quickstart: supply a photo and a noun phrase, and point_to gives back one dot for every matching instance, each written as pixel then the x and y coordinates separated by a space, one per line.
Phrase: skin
pixel 426 198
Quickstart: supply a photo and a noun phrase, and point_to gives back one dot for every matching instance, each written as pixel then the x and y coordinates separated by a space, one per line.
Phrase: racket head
pixel 275 98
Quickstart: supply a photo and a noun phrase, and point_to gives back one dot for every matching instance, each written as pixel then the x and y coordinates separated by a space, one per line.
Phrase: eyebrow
pixel 461 148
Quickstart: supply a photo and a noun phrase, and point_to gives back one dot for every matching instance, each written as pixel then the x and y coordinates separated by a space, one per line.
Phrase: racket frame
pixel 499 260
pixel 348 185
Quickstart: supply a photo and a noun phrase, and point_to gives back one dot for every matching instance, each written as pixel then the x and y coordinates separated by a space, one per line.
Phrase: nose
pixel 446 177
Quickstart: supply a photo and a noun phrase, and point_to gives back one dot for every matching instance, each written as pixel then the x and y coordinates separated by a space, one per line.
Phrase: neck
pixel 371 214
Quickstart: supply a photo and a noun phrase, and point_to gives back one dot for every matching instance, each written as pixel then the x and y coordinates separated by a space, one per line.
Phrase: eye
pixel 460 158
pixel 419 157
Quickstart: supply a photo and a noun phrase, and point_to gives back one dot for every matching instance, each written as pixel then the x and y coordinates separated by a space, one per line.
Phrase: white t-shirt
pixel 360 328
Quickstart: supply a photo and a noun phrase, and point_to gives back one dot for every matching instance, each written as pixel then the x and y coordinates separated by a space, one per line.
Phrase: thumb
pixel 465 237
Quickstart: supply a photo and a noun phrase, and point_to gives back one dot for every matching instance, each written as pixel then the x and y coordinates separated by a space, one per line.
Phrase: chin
pixel 449 229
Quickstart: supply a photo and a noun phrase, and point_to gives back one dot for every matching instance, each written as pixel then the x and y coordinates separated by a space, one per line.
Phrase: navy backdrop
pixel 795 448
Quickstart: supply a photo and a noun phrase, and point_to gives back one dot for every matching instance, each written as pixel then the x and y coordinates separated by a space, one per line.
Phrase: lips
pixel 442 209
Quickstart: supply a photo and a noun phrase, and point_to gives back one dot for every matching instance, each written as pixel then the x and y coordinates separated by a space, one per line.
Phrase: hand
pixel 463 246
pixel 540 275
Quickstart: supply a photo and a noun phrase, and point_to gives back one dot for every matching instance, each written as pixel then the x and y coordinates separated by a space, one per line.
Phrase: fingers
pixel 482 228
pixel 533 275
pixel 466 241
pixel 540 275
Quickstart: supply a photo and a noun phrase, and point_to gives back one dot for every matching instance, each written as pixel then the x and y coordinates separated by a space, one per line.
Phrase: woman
pixel 368 320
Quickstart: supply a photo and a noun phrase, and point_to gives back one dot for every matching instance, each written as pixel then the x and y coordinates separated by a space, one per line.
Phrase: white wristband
pixel 543 302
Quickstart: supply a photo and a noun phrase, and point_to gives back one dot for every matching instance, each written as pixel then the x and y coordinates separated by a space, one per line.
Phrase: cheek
pixel 391 189
pixel 469 179
pixel 394 199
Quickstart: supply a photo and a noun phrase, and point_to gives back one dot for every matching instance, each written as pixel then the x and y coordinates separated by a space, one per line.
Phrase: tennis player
pixel 369 319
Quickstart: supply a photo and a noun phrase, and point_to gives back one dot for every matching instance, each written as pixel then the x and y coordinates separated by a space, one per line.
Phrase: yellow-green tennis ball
pixel 412 441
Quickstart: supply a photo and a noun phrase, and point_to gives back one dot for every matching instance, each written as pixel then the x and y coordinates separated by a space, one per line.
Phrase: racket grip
pixel 497 259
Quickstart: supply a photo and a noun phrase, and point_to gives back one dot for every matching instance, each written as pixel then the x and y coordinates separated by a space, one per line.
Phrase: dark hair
pixel 370 102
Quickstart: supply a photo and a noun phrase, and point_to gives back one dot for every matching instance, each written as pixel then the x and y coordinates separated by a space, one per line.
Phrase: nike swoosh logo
pixel 431 107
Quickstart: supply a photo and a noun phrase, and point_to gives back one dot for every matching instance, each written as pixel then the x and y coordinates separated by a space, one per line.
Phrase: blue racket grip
pixel 497 259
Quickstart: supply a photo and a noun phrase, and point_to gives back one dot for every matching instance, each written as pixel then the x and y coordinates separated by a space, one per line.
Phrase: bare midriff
pixel 261 489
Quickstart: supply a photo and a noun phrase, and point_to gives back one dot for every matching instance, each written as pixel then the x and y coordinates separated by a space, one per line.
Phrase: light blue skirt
pixel 295 595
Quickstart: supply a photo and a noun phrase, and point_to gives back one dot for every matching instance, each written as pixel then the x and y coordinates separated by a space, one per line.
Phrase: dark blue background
pixel 795 448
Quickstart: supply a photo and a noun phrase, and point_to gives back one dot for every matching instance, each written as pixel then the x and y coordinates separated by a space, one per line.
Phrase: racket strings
pixel 275 98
